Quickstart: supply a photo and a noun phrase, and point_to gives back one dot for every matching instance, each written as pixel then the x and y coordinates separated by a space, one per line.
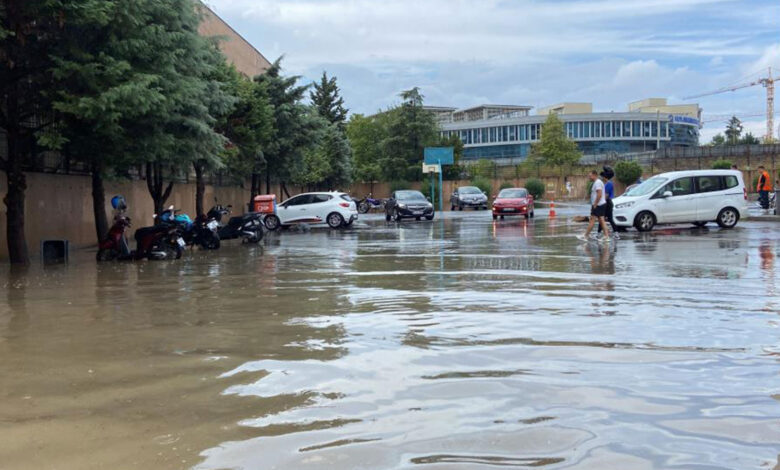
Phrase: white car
pixel 334 208
pixel 696 197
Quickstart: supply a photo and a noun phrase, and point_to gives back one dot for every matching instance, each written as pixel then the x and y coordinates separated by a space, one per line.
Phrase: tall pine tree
pixel 325 97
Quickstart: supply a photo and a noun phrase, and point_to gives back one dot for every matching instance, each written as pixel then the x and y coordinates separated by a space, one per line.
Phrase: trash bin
pixel 54 251
pixel 264 203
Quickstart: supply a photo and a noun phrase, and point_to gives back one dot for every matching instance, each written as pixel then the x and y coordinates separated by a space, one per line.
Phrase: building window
pixel 512 133
pixel 654 127
pixel 646 129
pixel 484 136
pixel 586 130
pixel 635 129
pixel 523 132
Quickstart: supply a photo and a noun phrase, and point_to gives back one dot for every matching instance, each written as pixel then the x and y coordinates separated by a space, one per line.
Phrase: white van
pixel 696 197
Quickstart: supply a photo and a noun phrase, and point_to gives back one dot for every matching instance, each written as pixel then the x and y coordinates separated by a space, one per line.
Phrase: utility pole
pixel 658 129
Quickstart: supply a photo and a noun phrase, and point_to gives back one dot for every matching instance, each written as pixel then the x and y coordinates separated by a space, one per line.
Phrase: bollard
pixel 552 208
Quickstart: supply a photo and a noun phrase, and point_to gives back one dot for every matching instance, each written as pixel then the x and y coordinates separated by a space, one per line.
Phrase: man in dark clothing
pixel 609 193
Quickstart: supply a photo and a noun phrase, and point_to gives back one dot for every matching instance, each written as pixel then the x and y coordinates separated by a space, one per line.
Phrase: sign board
pixel 431 168
pixel 439 155
pixel 684 120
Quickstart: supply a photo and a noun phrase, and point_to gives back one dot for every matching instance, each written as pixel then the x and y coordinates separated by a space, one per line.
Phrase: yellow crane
pixel 767 82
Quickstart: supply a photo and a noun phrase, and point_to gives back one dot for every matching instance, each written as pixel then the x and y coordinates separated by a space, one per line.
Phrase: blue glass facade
pixel 594 134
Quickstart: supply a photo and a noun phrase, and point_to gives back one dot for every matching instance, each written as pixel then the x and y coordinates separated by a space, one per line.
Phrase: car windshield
pixel 512 193
pixel 410 196
pixel 647 187
pixel 469 190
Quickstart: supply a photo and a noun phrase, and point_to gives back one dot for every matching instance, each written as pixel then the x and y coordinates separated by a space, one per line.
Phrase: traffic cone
pixel 552 208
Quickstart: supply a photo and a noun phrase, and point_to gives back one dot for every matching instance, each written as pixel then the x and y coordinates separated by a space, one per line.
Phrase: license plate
pixel 180 241
pixel 508 210
pixel 418 212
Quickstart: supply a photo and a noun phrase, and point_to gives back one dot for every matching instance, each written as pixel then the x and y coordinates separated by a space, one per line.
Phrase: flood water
pixel 453 344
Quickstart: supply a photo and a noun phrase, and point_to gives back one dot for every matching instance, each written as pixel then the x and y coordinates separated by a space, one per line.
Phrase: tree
pixel 453 171
pixel 554 147
pixel 293 125
pixel 483 168
pixel 535 187
pixel 718 140
pixel 722 164
pixel 30 31
pixel 628 172
pixel 248 127
pixel 733 130
pixel 410 130
pixel 365 135
pixel 325 97
pixel 749 139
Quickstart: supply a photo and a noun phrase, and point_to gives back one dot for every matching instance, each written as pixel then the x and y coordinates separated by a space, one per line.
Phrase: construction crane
pixel 767 82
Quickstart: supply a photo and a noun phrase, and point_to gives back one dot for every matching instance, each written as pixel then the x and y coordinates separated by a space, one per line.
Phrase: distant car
pixel 468 196
pixel 407 204
pixel 513 201
pixel 334 208
pixel 695 197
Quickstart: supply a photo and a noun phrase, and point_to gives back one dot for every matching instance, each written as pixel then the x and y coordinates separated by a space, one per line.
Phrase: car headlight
pixel 402 206
pixel 430 206
pixel 625 205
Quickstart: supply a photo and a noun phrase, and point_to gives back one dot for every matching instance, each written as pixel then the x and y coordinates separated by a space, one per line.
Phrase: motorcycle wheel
pixel 363 207
pixel 210 242
pixel 256 237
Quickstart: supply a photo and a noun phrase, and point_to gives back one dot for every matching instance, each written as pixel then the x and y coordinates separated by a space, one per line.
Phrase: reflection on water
pixel 461 343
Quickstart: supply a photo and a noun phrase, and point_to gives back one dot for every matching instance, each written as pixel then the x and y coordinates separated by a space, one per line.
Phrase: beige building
pixel 566 108
pixel 247 60
pixel 489 111
pixel 660 106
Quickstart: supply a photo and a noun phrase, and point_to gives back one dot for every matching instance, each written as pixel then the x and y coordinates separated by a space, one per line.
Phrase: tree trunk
pixel 154 182
pixel 99 201
pixel 267 181
pixel 200 188
pixel 284 188
pixel 255 189
pixel 14 198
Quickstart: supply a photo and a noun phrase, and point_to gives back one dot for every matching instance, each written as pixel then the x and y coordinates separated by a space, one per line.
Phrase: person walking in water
pixel 763 187
pixel 609 194
pixel 598 207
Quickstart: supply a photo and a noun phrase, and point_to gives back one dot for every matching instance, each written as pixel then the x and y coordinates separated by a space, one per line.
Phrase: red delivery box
pixel 265 203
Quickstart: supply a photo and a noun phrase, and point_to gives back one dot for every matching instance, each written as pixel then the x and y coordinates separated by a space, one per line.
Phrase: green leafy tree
pixel 722 164
pixel 483 168
pixel 248 126
pixel 294 127
pixel 32 34
pixel 554 147
pixel 718 140
pixel 733 130
pixel 325 96
pixel 506 185
pixel 365 136
pixel 628 172
pixel 749 139
pixel 410 129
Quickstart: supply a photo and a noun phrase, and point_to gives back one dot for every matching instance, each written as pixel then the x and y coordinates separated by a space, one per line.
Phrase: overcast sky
pixel 466 52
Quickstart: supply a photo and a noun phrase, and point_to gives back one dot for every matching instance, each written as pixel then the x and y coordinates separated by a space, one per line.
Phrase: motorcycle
pixel 367 203
pixel 161 241
pixel 249 226
pixel 115 245
pixel 203 231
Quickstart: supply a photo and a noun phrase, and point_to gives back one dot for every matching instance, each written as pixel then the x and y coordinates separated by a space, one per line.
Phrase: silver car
pixel 468 196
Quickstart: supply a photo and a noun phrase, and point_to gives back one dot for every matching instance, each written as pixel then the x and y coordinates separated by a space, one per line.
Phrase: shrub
pixel 483 168
pixel 722 164
pixel 483 184
pixel 628 172
pixel 505 185
pixel 398 185
pixel 535 186
pixel 588 188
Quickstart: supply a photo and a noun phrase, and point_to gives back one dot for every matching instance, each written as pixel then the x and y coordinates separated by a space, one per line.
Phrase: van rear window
pixel 731 181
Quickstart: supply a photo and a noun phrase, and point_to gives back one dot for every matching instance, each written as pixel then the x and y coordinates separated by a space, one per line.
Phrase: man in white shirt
pixel 598 203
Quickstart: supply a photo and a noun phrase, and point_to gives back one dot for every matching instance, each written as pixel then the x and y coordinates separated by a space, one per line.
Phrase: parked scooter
pixel 115 245
pixel 248 226
pixel 161 241
pixel 203 231
pixel 367 203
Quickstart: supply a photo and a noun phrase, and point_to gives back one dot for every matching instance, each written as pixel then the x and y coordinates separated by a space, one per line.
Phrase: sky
pixel 467 52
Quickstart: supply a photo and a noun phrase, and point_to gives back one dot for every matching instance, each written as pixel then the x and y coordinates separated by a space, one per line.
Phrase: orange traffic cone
pixel 552 208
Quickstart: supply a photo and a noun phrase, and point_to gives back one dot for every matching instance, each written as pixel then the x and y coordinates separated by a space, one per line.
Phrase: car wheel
pixel 460 207
pixel 452 208
pixel 335 220
pixel 728 217
pixel 644 221
pixel 272 222
pixel 700 224
pixel 396 215
pixel 387 216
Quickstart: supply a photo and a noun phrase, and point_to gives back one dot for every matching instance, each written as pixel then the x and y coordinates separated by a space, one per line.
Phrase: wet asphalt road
pixel 460 343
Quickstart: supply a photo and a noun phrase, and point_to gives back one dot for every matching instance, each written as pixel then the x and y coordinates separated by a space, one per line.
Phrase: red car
pixel 513 201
